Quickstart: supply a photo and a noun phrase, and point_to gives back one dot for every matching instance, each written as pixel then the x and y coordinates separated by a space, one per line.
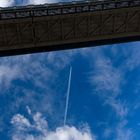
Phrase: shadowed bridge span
pixel 51 27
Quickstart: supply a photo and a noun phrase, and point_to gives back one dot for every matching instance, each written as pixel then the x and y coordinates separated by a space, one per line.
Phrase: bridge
pixel 51 27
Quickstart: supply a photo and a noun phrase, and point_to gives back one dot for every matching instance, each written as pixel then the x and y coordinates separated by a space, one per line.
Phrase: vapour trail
pixel 67 98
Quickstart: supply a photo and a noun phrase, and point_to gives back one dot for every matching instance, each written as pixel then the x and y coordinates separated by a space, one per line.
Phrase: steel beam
pixel 73 25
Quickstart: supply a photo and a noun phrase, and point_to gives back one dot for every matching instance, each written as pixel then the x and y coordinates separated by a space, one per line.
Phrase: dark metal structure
pixel 49 27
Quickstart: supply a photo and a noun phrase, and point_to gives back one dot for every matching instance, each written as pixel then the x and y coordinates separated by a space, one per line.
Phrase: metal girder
pixel 27 34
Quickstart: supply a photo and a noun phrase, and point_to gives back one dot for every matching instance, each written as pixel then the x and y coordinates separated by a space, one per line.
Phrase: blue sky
pixel 104 101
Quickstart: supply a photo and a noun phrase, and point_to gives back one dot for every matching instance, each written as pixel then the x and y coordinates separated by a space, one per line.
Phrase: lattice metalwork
pixel 62 26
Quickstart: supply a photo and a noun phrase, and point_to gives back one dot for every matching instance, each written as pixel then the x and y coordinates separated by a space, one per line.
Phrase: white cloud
pixel 20 122
pixel 40 123
pixel 46 1
pixel 69 133
pixel 6 3
pixel 41 1
pixel 41 131
pixel 61 133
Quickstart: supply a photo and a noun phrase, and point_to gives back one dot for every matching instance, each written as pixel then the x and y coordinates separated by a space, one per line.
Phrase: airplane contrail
pixel 67 99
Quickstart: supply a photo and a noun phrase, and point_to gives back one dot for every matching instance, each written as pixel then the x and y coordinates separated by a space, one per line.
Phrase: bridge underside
pixel 68 31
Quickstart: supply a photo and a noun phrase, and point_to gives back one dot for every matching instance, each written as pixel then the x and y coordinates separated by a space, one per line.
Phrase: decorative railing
pixel 64 8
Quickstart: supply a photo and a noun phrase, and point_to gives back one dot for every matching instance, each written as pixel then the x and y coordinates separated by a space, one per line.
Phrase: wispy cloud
pixel 106 80
pixel 119 106
pixel 8 74
pixel 41 67
pixel 107 132
pixel 124 133
pixel 133 55
pixel 119 132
